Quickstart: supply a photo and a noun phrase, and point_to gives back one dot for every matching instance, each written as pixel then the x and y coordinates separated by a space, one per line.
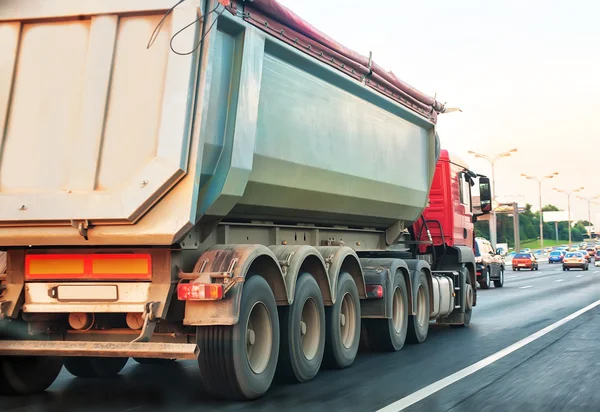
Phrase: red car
pixel 524 261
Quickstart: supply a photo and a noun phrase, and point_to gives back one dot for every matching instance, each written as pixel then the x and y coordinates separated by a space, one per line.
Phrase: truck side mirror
pixel 485 195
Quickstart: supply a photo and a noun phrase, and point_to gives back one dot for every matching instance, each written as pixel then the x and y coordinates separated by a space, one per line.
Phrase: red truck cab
pixel 445 232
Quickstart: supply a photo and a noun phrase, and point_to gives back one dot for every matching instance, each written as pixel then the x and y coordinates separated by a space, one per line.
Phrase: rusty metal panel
pixel 97 123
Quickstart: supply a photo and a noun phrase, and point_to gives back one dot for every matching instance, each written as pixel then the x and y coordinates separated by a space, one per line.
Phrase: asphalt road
pixel 559 371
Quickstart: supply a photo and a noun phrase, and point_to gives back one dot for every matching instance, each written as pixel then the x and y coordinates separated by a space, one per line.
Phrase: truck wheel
pixel 153 361
pixel 500 281
pixel 418 324
pixel 302 332
pixel 389 335
pixel 90 367
pixel 26 375
pixel 238 362
pixel 485 283
pixel 343 325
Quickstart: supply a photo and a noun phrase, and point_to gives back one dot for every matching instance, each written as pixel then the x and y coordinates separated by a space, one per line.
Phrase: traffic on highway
pixel 214 205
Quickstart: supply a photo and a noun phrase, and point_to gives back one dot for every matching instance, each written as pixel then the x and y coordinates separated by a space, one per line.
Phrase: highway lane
pixel 502 317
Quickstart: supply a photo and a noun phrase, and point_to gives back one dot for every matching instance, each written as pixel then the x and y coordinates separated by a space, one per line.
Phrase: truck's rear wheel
pixel 302 332
pixel 238 362
pixel 418 324
pixel 26 375
pixel 389 335
pixel 90 367
pixel 343 325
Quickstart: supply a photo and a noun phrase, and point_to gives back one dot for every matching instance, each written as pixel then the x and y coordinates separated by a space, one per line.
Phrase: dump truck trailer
pixel 242 191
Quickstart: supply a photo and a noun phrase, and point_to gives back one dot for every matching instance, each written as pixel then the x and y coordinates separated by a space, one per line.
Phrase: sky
pixel 526 75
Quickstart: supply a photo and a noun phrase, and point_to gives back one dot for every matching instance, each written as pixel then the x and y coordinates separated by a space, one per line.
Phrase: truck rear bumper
pixel 99 349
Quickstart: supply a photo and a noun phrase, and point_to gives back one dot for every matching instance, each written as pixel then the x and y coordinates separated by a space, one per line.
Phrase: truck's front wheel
pixel 26 375
pixel 238 362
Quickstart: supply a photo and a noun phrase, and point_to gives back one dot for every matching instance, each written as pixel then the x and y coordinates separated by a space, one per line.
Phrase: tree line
pixel 529 227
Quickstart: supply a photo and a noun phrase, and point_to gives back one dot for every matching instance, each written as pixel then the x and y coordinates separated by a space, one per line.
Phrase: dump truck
pixel 217 181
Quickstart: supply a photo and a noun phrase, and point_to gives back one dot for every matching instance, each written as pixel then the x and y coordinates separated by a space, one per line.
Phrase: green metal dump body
pixel 139 145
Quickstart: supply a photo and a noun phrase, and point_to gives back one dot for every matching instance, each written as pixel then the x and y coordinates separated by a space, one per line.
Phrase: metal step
pixel 100 349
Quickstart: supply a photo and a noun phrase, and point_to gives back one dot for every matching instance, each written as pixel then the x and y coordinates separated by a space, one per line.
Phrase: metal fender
pixel 340 259
pixel 381 271
pixel 297 259
pixel 466 258
pixel 465 254
pixel 241 261
pixel 416 266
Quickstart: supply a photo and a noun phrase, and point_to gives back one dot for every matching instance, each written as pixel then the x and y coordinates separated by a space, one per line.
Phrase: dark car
pixel 490 265
pixel 556 256
pixel 525 261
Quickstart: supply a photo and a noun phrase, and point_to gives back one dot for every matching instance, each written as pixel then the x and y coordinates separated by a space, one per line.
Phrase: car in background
pixel 596 262
pixel 575 260
pixel 574 249
pixel 586 255
pixel 526 250
pixel 591 251
pixel 489 265
pixel 556 256
pixel 525 261
pixel 548 249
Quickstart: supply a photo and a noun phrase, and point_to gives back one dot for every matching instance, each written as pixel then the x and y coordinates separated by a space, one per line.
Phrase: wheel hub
pixel 251 338
pixel 342 319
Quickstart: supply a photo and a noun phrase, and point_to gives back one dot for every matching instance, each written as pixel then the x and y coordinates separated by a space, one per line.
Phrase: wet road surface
pixel 559 371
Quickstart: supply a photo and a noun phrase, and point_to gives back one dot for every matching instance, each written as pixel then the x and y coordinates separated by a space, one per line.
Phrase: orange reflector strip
pixel 56 266
pixel 89 267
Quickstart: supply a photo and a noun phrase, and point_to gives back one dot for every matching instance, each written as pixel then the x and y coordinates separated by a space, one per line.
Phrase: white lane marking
pixel 429 390
pixel 578 276
pixel 510 277
pixel 559 280
pixel 526 287
pixel 597 271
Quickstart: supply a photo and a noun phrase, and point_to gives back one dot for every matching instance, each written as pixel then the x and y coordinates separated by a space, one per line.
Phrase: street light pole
pixel 569 208
pixel 589 201
pixel 493 159
pixel 540 180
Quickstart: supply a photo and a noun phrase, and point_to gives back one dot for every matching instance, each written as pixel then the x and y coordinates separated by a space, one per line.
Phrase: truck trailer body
pixel 246 192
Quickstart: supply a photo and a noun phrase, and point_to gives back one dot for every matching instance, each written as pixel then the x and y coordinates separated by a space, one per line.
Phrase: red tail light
pixel 200 291
pixel 136 266
pixel 374 291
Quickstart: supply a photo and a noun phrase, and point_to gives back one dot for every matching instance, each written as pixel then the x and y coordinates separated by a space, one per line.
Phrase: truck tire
pixel 153 361
pixel 238 362
pixel 90 367
pixel 26 375
pixel 343 325
pixel 485 282
pixel 418 324
pixel 302 332
pixel 500 281
pixel 389 335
